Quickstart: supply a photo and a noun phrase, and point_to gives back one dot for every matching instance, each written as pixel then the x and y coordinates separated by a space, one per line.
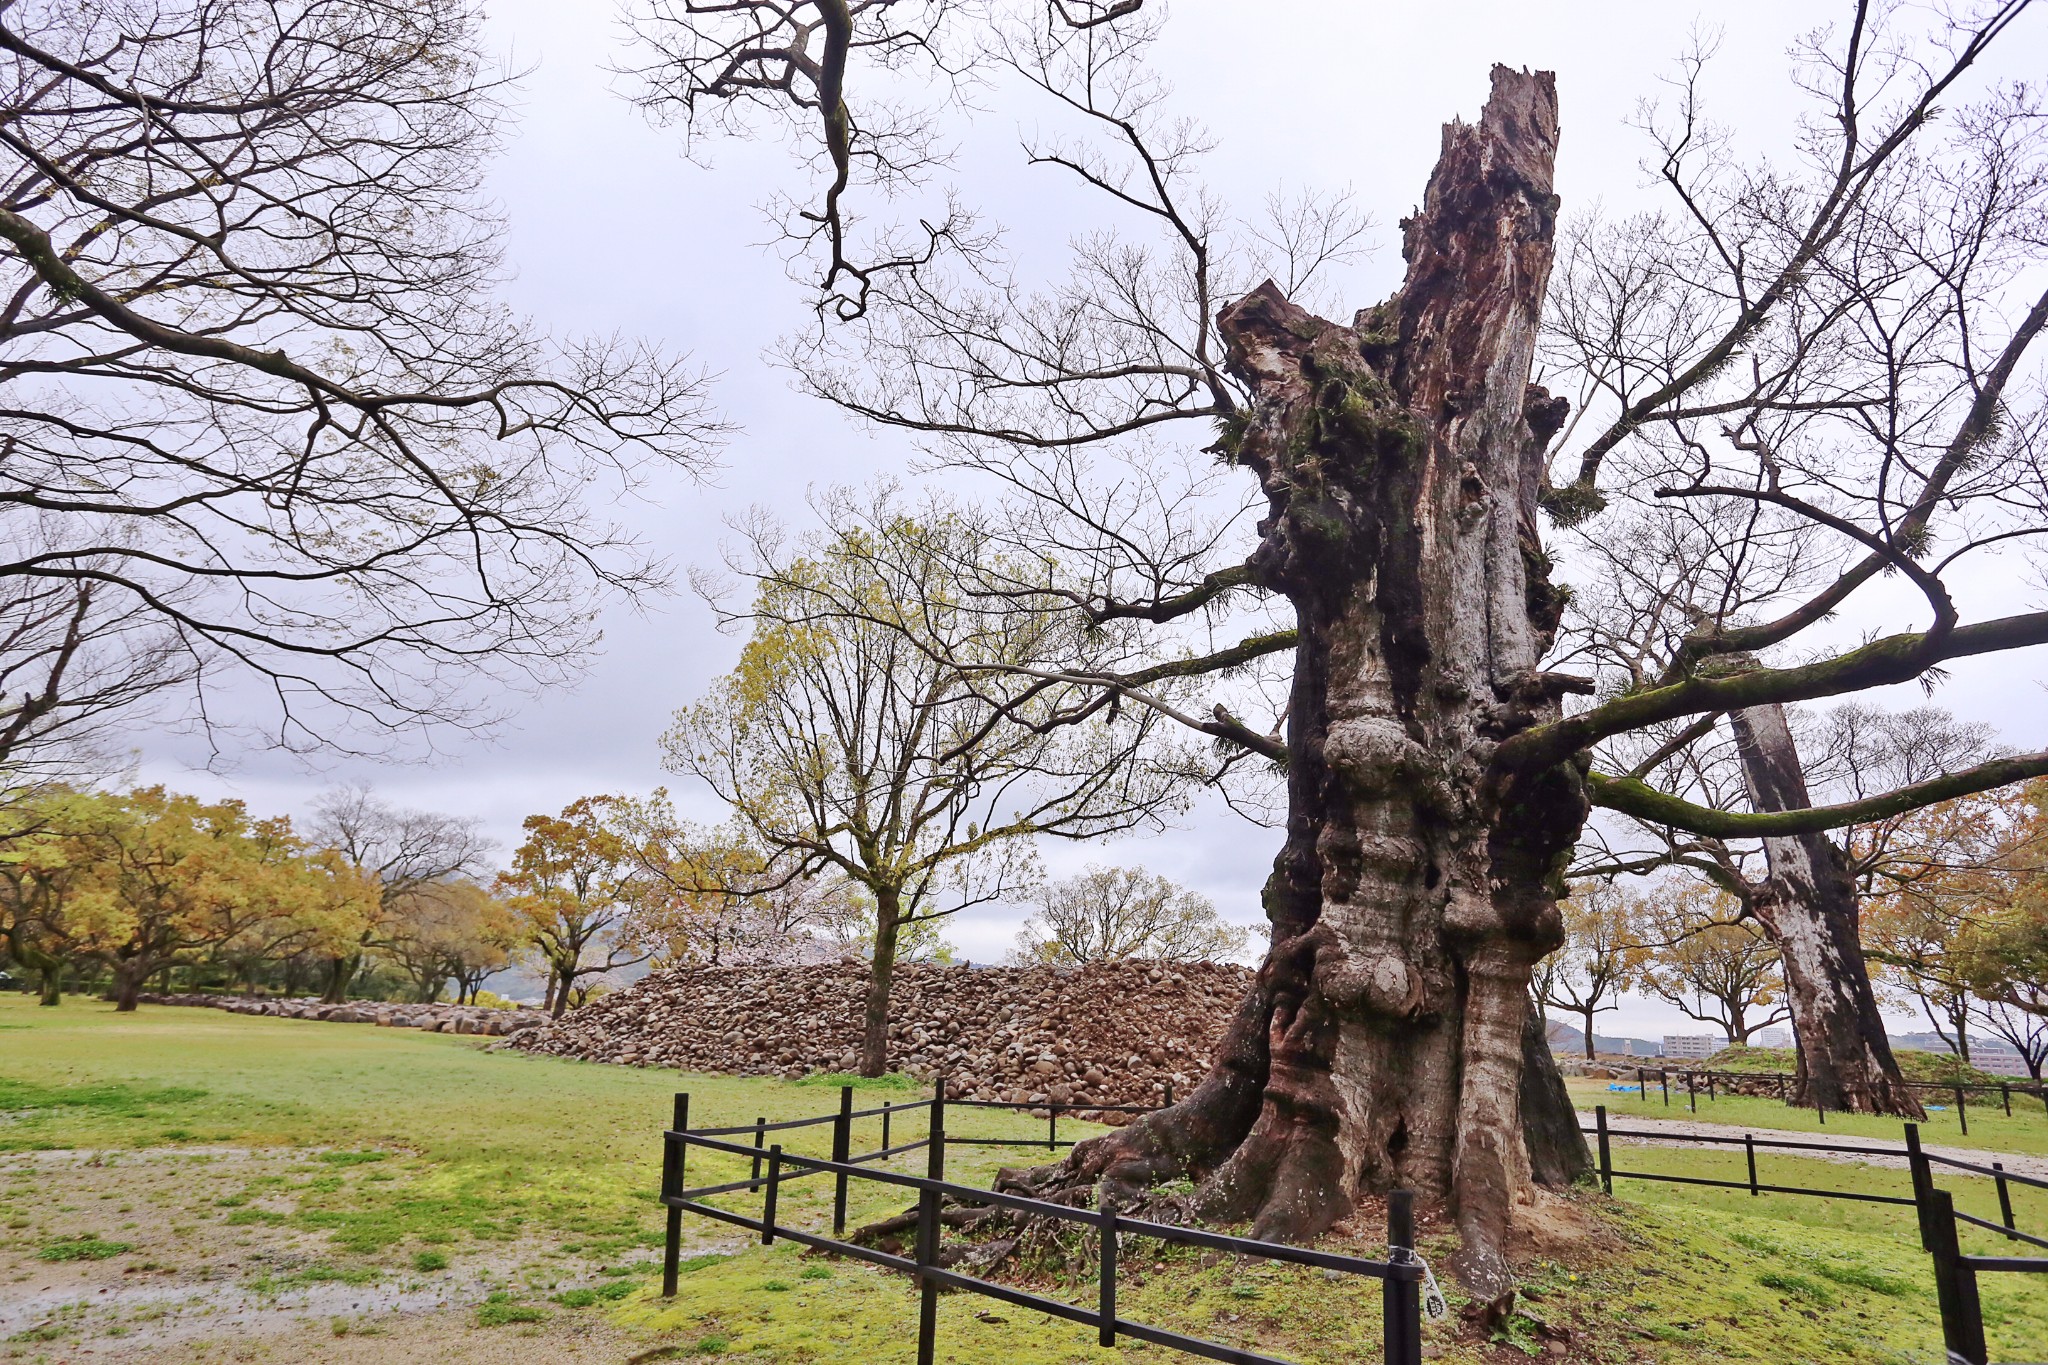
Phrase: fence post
pixel 1401 1300
pixel 1106 1298
pixel 1749 1149
pixel 1606 1162
pixel 1710 1087
pixel 928 1228
pixel 885 1127
pixel 2004 1201
pixel 1052 1127
pixel 842 1148
pixel 674 1153
pixel 760 1144
pixel 1923 1185
pixel 768 1199
pixel 2005 1093
pixel 1169 1094
pixel 1643 1084
pixel 1820 1107
pixel 1692 1095
pixel 1955 1285
pixel 1664 1079
pixel 1962 1112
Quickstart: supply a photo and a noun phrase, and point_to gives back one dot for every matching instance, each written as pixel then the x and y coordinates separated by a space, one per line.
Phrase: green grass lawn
pixel 391 1158
pixel 1990 1130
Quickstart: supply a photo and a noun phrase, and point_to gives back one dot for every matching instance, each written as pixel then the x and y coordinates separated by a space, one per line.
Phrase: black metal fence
pixel 1713 1083
pixel 772 1168
pixel 1955 1272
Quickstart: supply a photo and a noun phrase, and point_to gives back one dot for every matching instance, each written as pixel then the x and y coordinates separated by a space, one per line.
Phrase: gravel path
pixel 2035 1166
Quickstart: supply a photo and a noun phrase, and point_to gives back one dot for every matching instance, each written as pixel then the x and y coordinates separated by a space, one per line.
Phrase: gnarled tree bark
pixel 1807 902
pixel 1384 1043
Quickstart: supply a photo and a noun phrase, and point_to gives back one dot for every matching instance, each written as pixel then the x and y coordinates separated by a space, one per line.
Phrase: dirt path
pixel 2017 1164
pixel 203 1266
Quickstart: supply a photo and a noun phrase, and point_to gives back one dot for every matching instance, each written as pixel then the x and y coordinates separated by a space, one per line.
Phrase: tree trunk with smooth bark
pixel 1808 905
pixel 1387 1042
pixel 874 1043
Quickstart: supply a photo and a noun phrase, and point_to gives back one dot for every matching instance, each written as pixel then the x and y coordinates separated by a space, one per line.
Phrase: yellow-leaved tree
pixel 887 727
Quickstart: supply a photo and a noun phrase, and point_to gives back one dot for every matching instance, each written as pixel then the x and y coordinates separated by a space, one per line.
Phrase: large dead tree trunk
pixel 1384 1045
pixel 1808 904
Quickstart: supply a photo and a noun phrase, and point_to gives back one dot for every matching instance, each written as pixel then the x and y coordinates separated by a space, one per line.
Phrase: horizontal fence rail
pixel 1692 1078
pixel 1955 1272
pixel 1400 1274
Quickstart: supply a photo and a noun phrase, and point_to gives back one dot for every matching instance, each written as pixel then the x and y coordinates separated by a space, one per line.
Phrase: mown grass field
pixel 283 1190
pixel 2026 1130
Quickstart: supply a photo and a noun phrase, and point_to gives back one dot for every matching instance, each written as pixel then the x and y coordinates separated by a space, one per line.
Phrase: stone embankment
pixel 1112 1033
pixel 430 1018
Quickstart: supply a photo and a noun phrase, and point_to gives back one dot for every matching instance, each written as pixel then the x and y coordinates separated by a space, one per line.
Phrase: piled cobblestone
pixel 1111 1033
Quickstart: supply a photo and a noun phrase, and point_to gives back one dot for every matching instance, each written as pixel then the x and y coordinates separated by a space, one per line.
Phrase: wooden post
pixel 1692 1095
pixel 768 1199
pixel 1749 1149
pixel 842 1148
pixel 1923 1184
pixel 1401 1300
pixel 1664 1079
pixel 2004 1201
pixel 1052 1127
pixel 1643 1084
pixel 1105 1333
pixel 1606 1161
pixel 928 1229
pixel 1962 1112
pixel 760 1145
pixel 674 1155
pixel 1955 1286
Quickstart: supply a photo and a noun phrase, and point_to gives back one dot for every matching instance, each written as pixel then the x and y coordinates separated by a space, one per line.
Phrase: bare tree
pixel 75 672
pixel 1107 914
pixel 1435 782
pixel 407 852
pixel 261 410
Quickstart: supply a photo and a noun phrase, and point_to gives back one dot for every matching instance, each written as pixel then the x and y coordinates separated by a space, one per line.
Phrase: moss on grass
pixel 85 1248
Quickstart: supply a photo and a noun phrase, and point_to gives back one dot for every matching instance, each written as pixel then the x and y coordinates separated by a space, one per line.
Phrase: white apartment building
pixel 1691 1046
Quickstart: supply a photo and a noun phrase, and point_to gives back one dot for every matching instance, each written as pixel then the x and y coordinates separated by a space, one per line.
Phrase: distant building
pixel 1774 1037
pixel 1986 1054
pixel 1691 1046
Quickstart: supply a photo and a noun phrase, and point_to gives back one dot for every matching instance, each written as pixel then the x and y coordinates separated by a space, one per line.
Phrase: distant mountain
pixel 1566 1041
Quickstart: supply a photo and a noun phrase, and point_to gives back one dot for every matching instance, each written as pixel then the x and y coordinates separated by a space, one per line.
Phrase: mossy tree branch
pixel 1644 802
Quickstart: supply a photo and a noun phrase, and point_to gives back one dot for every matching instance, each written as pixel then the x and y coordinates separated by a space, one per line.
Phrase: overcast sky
pixel 611 230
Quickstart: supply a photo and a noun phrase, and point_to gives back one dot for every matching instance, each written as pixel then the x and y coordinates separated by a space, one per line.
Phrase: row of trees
pixel 614 881
pixel 139 885
pixel 374 898
pixel 1953 915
